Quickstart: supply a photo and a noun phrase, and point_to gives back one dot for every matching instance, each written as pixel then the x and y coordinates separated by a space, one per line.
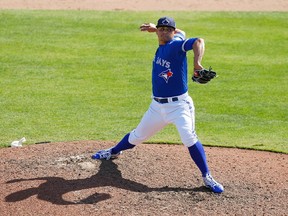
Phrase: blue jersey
pixel 169 72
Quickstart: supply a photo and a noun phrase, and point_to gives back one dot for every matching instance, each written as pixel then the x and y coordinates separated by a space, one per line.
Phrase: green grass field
pixel 85 75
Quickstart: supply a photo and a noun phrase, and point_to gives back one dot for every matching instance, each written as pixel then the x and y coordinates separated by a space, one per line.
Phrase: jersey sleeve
pixel 187 45
pixel 179 36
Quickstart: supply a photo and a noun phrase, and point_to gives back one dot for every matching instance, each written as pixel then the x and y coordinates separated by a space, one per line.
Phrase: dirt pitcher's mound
pixel 61 179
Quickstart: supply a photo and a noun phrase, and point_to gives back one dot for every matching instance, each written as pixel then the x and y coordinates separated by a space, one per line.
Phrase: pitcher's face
pixel 165 34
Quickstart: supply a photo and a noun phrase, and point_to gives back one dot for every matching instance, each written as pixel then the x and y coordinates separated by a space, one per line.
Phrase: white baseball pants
pixel 180 113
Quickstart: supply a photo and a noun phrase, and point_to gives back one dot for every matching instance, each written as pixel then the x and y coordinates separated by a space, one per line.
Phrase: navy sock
pixel 198 155
pixel 122 145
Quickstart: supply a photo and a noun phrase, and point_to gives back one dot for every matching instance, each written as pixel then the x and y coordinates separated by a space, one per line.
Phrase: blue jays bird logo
pixel 166 75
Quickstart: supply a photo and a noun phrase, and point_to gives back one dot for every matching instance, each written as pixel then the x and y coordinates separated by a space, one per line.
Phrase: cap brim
pixel 165 26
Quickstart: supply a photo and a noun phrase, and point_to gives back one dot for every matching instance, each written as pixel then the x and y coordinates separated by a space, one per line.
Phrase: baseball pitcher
pixel 171 103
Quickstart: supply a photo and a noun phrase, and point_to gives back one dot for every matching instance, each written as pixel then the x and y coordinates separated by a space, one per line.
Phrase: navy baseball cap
pixel 166 22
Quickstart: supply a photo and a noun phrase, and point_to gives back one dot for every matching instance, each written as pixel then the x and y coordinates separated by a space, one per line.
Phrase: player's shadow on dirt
pixel 55 187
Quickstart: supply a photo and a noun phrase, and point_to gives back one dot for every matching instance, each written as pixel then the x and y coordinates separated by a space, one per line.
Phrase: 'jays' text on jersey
pixel 169 72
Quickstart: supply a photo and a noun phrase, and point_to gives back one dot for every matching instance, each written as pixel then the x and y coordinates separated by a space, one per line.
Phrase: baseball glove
pixel 203 76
